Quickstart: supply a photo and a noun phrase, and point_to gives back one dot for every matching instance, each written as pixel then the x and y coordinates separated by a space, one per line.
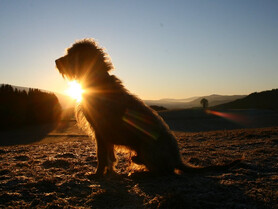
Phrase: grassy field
pixel 56 170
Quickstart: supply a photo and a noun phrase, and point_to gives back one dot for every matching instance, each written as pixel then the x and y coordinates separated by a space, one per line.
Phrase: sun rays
pixel 75 90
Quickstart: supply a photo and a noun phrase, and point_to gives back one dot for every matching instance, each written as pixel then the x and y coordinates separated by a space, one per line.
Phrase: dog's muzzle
pixel 59 64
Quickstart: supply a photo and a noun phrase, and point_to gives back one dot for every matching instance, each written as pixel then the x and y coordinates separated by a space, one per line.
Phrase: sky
pixel 160 49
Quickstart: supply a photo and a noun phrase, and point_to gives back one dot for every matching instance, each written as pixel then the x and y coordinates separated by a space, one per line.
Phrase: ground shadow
pixel 141 190
pixel 192 191
pixel 144 190
pixel 25 135
pixel 115 192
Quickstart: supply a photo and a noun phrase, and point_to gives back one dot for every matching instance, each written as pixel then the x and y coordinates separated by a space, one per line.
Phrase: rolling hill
pixel 261 100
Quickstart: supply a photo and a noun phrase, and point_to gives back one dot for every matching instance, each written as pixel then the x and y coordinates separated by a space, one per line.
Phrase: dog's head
pixel 83 58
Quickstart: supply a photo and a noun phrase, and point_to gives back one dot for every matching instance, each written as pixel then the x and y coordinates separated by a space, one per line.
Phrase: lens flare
pixel 142 123
pixel 75 90
pixel 237 118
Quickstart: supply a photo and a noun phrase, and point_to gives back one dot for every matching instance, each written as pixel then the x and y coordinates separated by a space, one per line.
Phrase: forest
pixel 20 108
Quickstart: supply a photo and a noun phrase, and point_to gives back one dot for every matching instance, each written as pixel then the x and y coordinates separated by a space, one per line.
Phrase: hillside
pixel 213 100
pixel 261 100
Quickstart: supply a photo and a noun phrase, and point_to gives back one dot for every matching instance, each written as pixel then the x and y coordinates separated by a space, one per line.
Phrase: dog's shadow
pixel 145 190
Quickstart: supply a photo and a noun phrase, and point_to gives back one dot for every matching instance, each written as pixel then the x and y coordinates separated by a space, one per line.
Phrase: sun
pixel 75 90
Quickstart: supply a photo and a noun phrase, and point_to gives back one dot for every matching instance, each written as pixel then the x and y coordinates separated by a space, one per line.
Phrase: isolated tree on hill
pixel 204 102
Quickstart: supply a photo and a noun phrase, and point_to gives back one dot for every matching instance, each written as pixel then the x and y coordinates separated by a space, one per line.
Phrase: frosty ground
pixel 57 171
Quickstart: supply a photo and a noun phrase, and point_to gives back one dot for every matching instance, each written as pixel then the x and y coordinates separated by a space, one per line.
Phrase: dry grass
pixel 60 174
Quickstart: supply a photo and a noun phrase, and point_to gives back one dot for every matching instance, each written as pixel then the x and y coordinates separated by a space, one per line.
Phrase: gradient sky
pixel 160 49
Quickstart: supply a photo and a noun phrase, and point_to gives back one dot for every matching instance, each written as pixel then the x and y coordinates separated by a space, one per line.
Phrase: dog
pixel 118 117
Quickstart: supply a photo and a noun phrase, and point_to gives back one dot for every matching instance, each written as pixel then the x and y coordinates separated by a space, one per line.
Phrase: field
pixel 55 170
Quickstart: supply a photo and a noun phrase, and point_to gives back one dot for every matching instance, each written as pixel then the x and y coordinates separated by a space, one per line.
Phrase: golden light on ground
pixel 75 90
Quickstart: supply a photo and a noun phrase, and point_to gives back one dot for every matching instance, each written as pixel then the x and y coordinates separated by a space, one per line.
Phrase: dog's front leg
pixel 106 157
pixel 101 156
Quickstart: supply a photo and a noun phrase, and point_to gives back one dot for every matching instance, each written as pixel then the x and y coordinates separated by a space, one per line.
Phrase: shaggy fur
pixel 118 117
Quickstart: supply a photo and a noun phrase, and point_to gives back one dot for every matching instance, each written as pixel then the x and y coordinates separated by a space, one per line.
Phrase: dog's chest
pixel 103 110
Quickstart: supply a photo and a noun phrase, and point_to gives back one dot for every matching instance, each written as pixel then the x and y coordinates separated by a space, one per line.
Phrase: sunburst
pixel 75 90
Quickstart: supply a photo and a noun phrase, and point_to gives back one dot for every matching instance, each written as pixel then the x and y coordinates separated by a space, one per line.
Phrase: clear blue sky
pixel 160 49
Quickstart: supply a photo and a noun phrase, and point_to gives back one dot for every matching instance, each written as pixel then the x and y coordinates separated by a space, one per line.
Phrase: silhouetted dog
pixel 118 117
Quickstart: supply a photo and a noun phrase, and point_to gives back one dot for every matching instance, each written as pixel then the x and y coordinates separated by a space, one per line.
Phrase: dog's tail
pixel 186 168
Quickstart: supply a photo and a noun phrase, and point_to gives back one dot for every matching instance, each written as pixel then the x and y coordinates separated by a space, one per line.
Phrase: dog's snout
pixel 58 63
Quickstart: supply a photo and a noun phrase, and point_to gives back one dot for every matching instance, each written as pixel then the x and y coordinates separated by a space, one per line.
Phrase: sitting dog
pixel 118 117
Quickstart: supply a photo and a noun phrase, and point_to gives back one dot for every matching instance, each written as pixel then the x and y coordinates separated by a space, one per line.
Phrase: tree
pixel 204 102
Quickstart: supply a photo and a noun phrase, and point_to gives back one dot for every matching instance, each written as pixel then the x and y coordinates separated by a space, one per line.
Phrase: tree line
pixel 33 107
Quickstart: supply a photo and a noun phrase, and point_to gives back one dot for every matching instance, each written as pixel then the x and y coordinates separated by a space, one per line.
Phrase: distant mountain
pixel 65 101
pixel 170 103
pixel 261 100
pixel 193 101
